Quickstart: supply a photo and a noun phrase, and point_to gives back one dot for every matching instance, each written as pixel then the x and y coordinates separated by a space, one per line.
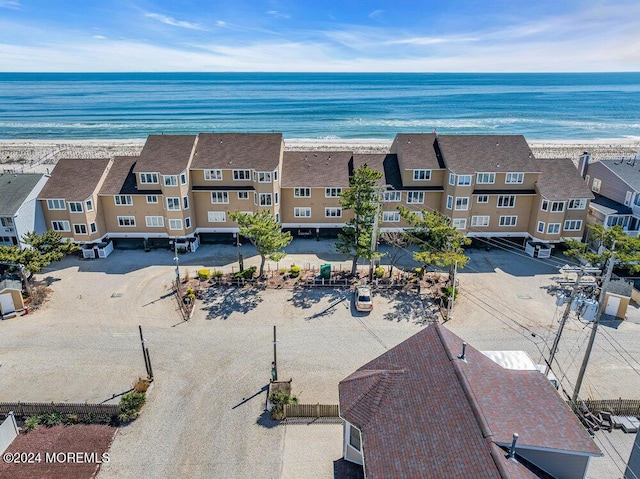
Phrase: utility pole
pixel 177 260
pixel 453 293
pixel 592 337
pixel 274 364
pixel 374 233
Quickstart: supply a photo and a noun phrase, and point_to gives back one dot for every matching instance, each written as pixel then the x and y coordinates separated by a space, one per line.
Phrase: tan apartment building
pixel 185 186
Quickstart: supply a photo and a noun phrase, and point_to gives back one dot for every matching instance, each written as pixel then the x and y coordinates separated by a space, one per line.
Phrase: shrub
pixel 279 399
pixel 295 271
pixel 130 405
pixel 204 274
pixel 31 423
pixel 191 294
pixel 50 419
pixel 70 419
pixel 217 273
pixel 379 272
pixel 283 271
pixel 447 291
pixel 246 274
pixel 417 271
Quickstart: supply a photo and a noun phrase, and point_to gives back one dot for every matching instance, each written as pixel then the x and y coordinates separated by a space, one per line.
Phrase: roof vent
pixel 497 143
pixel 512 449
pixel 221 142
pixel 464 350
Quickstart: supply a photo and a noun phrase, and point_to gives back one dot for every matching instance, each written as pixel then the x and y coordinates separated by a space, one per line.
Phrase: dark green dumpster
pixel 325 271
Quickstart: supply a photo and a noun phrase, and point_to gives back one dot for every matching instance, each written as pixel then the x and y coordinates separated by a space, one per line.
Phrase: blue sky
pixel 322 35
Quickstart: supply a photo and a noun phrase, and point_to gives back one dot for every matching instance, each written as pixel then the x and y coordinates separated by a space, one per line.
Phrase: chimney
pixel 583 163
pixel 512 449
pixel 464 350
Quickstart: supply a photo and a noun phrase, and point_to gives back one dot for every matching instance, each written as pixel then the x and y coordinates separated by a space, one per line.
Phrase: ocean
pixel 572 106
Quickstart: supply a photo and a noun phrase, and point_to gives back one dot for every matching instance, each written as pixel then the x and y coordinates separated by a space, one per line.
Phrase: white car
pixel 363 301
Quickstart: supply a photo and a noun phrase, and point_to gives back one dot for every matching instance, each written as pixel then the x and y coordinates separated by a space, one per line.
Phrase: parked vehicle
pixel 363 301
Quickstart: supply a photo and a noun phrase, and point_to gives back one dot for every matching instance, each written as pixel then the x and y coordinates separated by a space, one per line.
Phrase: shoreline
pixel 38 155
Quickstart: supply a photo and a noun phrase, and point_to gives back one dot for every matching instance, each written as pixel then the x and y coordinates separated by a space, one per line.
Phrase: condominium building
pixel 184 187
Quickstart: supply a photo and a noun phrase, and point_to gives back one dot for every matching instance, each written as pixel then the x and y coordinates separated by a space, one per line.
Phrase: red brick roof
pixel 423 412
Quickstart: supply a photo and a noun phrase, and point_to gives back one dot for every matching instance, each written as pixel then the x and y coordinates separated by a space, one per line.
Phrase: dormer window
pixel 264 177
pixel 464 180
pixel 213 175
pixel 514 178
pixel 170 180
pixel 421 175
pixel 486 178
pixel 146 178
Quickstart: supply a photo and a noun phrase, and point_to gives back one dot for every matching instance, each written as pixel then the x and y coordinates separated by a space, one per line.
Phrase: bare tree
pixel 398 241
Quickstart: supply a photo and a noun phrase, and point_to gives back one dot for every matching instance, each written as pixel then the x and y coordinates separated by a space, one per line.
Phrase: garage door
pixel 612 306
pixel 6 304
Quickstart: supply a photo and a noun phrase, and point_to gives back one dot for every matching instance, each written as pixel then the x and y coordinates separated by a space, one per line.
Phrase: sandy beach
pixel 39 156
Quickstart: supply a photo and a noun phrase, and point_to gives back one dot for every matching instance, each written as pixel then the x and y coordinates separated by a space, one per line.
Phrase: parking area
pixel 205 412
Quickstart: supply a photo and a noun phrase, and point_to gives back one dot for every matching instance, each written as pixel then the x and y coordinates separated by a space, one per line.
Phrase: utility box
pixel 325 271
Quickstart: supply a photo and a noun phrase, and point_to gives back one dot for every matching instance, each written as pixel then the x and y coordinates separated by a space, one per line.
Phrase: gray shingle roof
pixel 468 154
pixel 121 180
pixel 423 412
pixel 628 171
pixel 74 179
pixel 165 154
pixel 621 287
pixel 10 284
pixel 418 151
pixel 560 180
pixel 316 168
pixel 609 206
pixel 259 151
pixel 14 189
pixel 384 163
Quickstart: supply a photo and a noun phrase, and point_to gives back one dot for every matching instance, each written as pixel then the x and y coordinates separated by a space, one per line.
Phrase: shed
pixel 10 297
pixel 617 298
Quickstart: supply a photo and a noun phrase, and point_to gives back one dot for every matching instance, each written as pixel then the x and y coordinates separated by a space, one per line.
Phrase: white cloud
pixel 277 14
pixel 376 14
pixel 99 37
pixel 12 4
pixel 173 22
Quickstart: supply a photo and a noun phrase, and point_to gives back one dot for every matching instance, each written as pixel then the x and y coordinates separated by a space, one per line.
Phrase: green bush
pixel 130 406
pixel 217 273
pixel 246 274
pixel 295 271
pixel 31 423
pixel 418 271
pixel 283 271
pixel 447 291
pixel 50 419
pixel 279 399
pixel 191 294
pixel 379 272
pixel 204 274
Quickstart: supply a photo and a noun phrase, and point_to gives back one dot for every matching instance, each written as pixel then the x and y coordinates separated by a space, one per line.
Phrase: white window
pixel 544 206
pixel 302 212
pixel 241 175
pixel 392 196
pixel 595 187
pixel 391 216
pixel 89 205
pixel 264 177
pixel 170 180
pixel 275 196
pixel 415 197
pixel 148 178
pixel 93 227
pixel 154 221
pixel 333 212
pixel 127 221
pixel 506 201
pixel 175 224
pixel 277 217
pixel 557 206
pixel 183 178
pixel 627 198
pixel 243 195
pixel 462 203
pixel 553 228
pixel 75 206
pixel 7 222
pixel 508 220
pixel 573 225
pixel 541 225
pixel 302 192
pixel 577 204
pixel 275 176
pixel 265 199
pixel 187 222
pixel 60 226
pixel 123 200
pixel 464 180
pixel 332 192
pixel 80 229
pixel 173 204
pixel 354 438
pixel 449 202
pixel 486 178
pixel 480 221
pixel 152 198
pixel 56 205
pixel 452 179
pixel 213 175
pixel 185 202
pixel 514 178
pixel 460 223
pixel 421 175
pixel 217 216
pixel 483 199
pixel 219 197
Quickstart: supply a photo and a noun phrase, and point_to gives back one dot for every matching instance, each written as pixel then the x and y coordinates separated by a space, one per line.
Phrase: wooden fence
pixel 311 410
pixel 620 407
pixel 83 410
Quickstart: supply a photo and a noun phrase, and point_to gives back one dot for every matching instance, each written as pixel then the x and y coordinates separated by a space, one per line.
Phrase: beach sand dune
pixel 40 155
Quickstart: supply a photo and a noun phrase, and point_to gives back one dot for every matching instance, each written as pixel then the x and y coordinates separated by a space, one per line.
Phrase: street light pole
pixel 274 364
pixel 175 257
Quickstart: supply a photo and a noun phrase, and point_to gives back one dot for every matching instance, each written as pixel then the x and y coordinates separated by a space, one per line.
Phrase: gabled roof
pixel 560 180
pixel 74 179
pixel 628 170
pixel 418 151
pixel 258 151
pixel 423 412
pixel 469 154
pixel 121 180
pixel 385 163
pixel 14 189
pixel 165 154
pixel 315 169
